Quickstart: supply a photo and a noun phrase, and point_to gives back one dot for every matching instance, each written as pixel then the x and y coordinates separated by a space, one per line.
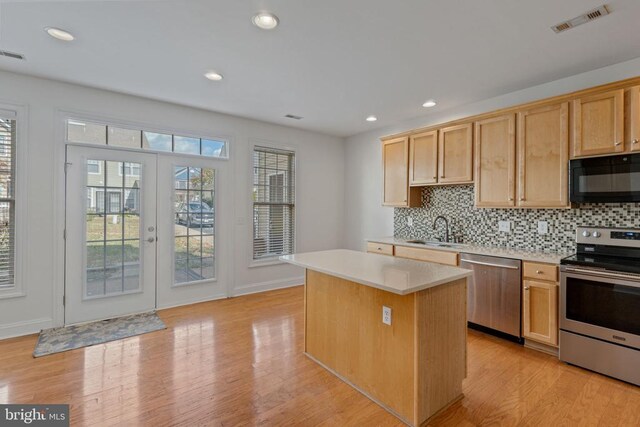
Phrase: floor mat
pixel 56 340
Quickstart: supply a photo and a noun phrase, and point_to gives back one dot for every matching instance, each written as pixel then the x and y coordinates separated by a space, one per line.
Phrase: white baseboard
pixel 28 327
pixel 190 301
pixel 36 325
pixel 253 288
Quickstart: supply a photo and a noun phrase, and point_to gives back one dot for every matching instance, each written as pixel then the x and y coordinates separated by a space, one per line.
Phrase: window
pixel 82 131
pixel 93 167
pixel 273 202
pixel 7 202
pixel 112 230
pixel 194 198
pixel 130 169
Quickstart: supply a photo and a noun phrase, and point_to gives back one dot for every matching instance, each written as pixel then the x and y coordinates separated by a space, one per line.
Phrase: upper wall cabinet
pixel 598 124
pixel 632 118
pixel 395 164
pixel 423 158
pixel 455 154
pixel 543 146
pixel 495 161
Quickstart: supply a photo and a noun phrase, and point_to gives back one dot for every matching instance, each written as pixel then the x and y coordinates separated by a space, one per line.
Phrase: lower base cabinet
pixel 540 311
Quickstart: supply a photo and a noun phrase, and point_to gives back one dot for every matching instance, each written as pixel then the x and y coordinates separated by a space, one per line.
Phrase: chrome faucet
pixel 446 224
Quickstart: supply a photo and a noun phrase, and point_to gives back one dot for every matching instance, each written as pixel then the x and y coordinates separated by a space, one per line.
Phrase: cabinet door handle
pixel 538 271
pixel 635 141
pixel 435 177
pixel 618 143
pixel 511 199
pixel 526 288
pixel 522 199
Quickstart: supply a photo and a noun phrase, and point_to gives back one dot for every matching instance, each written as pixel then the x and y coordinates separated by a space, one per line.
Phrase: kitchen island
pixel 415 365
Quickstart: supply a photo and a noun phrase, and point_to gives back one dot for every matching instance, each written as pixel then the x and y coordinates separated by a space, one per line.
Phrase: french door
pixel 110 233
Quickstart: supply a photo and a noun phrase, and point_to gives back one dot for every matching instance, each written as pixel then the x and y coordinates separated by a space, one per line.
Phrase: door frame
pixel 170 294
pixel 60 116
pixel 147 259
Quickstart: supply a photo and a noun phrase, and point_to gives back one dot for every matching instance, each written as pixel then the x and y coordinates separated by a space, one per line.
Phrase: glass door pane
pixel 193 249
pixel 113 233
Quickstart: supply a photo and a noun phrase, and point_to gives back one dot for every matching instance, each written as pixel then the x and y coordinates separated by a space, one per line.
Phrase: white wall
pixel 364 215
pixel 320 192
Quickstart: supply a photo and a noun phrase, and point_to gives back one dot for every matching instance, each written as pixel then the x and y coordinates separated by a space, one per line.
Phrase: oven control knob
pixel 596 234
pixel 586 233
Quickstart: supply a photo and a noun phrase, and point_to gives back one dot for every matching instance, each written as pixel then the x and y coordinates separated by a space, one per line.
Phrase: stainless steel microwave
pixel 610 179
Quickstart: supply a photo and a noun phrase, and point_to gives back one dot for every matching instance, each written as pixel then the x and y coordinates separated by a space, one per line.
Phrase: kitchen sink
pixel 436 244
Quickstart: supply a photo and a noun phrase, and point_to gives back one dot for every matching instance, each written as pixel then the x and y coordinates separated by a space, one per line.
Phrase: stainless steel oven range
pixel 600 303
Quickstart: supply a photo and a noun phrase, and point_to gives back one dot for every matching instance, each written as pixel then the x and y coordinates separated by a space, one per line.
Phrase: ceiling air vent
pixel 582 19
pixel 294 117
pixel 11 55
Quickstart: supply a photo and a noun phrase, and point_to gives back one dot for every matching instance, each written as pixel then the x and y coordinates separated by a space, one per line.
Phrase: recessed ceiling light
pixel 265 20
pixel 371 118
pixel 429 103
pixel 213 75
pixel 59 34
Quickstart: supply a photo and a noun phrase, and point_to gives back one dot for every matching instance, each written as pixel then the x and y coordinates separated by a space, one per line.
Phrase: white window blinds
pixel 7 201
pixel 273 202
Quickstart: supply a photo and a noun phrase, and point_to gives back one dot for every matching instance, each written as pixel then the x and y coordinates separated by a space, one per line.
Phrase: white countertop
pixel 397 275
pixel 544 257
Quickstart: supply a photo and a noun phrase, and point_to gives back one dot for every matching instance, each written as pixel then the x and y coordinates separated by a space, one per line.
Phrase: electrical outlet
pixel 386 315
pixel 410 221
pixel 504 226
pixel 543 227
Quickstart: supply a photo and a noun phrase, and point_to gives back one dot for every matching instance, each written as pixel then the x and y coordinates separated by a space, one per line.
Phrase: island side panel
pixel 344 331
pixel 441 347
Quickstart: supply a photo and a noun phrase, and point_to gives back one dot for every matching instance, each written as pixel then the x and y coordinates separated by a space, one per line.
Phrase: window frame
pixel 99 163
pixel 20 176
pixel 256 144
pixel 142 127
pixel 124 166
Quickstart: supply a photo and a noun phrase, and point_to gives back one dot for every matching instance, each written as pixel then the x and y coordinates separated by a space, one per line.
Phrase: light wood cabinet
pixel 495 161
pixel 598 124
pixel 540 311
pixel 380 248
pixel 543 151
pixel 455 154
pixel 395 162
pixel 429 255
pixel 540 271
pixel 423 158
pixel 632 118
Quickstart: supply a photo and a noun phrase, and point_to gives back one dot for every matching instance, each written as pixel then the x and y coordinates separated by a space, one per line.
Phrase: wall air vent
pixel 294 117
pixel 582 19
pixel 11 55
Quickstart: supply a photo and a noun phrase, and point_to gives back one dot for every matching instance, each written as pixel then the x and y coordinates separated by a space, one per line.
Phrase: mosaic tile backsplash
pixel 480 225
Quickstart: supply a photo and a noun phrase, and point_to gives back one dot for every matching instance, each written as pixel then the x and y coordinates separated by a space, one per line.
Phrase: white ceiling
pixel 334 62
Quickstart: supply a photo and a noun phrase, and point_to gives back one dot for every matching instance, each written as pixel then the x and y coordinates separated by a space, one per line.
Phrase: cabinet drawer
pixel 380 248
pixel 539 271
pixel 430 255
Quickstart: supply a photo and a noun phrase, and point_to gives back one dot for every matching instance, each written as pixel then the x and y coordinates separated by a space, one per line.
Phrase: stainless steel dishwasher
pixel 494 293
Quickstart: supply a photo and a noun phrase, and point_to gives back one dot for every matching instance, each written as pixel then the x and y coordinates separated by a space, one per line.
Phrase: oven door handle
pixel 605 274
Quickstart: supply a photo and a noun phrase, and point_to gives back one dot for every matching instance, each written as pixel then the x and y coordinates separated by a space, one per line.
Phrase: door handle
pixel 151 239
pixel 489 264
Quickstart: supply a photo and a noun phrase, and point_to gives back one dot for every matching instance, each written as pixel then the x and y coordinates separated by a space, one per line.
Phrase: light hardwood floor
pixel 239 362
